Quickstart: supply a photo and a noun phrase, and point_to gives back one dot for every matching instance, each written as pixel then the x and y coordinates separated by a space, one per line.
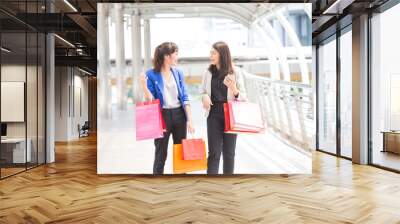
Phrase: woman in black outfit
pixel 221 82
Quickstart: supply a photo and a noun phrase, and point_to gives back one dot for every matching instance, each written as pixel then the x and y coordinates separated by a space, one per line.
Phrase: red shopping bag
pixel 149 121
pixel 232 127
pixel 193 149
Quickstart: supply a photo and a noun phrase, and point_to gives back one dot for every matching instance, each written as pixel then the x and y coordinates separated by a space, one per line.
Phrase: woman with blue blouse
pixel 166 83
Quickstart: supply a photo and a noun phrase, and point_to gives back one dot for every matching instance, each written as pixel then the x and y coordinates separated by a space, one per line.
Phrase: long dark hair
pixel 225 60
pixel 166 48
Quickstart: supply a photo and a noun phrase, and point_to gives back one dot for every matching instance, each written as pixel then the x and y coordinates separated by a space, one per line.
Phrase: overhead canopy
pixel 244 13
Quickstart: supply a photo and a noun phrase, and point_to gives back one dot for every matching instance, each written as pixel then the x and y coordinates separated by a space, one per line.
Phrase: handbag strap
pixel 155 101
pixel 192 136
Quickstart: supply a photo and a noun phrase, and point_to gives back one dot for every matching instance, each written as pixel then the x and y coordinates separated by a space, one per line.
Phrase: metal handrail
pixel 287 107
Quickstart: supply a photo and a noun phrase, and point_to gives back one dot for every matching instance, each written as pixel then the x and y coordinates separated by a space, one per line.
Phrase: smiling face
pixel 166 54
pixel 220 59
pixel 214 57
pixel 172 59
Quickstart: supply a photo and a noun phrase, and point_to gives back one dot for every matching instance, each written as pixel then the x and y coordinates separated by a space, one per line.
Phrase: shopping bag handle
pixel 155 101
pixel 142 102
pixel 192 136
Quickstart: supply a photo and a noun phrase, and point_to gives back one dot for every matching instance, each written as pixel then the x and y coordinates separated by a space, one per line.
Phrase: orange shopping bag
pixel 184 166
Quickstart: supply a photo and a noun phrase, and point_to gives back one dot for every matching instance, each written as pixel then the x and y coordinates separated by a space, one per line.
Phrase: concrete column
pixel 136 54
pixel 120 57
pixel 147 45
pixel 50 93
pixel 103 55
pixel 360 90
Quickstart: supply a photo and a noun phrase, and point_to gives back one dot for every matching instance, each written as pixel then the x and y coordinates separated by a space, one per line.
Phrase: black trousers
pixel 175 122
pixel 219 142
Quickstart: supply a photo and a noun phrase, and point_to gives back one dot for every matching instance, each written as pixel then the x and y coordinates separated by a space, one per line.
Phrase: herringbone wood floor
pixel 69 191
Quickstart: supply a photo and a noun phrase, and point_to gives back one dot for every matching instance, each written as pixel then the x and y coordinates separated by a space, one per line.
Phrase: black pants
pixel 175 122
pixel 218 142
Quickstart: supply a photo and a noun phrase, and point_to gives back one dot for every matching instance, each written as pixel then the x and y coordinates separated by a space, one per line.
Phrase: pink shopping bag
pixel 235 130
pixel 149 121
pixel 246 114
pixel 230 126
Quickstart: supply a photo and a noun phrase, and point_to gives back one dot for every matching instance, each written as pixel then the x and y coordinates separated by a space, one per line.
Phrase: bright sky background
pixel 194 36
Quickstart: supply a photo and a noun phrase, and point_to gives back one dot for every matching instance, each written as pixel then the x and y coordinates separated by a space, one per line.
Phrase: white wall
pixel 79 117
pixel 33 126
pixel 70 84
pixel 12 73
pixel 61 103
